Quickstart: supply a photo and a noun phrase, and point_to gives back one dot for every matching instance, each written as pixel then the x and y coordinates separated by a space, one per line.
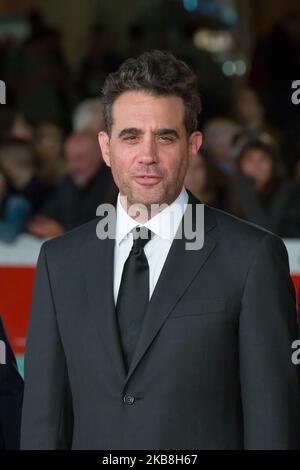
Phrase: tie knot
pixel 141 236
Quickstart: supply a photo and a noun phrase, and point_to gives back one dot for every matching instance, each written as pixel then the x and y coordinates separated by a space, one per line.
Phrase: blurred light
pixel 16 27
pixel 234 67
pixel 223 10
pixel 229 68
pixel 213 41
pixel 190 5
pixel 241 67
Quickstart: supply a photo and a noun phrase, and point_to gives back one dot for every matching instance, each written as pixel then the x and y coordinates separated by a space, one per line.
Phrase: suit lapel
pixel 178 272
pixel 97 258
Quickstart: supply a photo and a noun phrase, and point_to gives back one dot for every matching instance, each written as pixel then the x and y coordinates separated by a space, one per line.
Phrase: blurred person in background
pixel 14 125
pixel 261 194
pixel 98 61
pixel 200 181
pixel 11 397
pixel 275 65
pixel 88 116
pixel 249 113
pixel 39 75
pixel 291 150
pixel 22 192
pixel 88 184
pixel 49 142
pixel 247 109
pixel 218 135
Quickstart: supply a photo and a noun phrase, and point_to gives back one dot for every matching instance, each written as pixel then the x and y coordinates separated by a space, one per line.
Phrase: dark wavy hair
pixel 158 73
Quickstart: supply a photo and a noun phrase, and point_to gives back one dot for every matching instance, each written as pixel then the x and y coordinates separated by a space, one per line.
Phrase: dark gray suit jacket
pixel 212 368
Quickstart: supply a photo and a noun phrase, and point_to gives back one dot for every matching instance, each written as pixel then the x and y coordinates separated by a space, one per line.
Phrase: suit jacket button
pixel 128 399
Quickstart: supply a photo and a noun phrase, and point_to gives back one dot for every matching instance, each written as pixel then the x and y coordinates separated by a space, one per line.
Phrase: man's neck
pixel 143 212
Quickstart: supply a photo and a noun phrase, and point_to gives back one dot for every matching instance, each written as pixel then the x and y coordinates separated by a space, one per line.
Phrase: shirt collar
pixel 163 225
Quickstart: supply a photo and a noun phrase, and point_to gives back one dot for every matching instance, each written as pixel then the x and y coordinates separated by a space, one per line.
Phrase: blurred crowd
pixel 53 177
pixel 51 182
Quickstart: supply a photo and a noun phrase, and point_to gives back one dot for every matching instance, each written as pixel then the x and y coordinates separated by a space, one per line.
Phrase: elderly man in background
pixel 88 184
pixel 88 116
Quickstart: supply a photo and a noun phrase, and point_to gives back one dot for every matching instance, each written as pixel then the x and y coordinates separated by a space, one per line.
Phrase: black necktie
pixel 133 296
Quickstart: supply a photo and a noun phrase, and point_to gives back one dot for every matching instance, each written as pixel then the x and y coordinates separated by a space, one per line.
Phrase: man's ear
pixel 103 140
pixel 195 142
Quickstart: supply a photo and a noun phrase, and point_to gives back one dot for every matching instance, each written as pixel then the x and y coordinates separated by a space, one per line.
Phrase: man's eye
pixel 166 139
pixel 130 138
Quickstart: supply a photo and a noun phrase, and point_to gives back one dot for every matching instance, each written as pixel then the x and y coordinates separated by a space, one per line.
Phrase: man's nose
pixel 148 151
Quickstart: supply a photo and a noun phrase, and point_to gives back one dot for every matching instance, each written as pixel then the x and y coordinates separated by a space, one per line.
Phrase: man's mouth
pixel 147 179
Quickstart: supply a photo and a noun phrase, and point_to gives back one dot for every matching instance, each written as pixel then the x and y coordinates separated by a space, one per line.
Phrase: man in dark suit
pixel 11 396
pixel 145 341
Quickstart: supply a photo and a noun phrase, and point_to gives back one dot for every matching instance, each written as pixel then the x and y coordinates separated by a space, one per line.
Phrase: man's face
pixel 149 148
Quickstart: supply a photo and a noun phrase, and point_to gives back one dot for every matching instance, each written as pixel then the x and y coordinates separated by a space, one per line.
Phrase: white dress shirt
pixel 163 225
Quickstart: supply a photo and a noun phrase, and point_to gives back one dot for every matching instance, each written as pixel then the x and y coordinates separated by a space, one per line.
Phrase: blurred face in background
pixel 218 136
pixel 17 164
pixel 149 149
pixel 88 117
pixel 21 129
pixel 248 109
pixel 49 143
pixel 258 165
pixel 83 157
pixel 196 176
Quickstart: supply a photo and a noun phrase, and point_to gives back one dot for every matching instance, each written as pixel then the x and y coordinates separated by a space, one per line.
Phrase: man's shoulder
pixel 242 242
pixel 72 240
pixel 228 227
pixel 232 222
pixel 237 232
